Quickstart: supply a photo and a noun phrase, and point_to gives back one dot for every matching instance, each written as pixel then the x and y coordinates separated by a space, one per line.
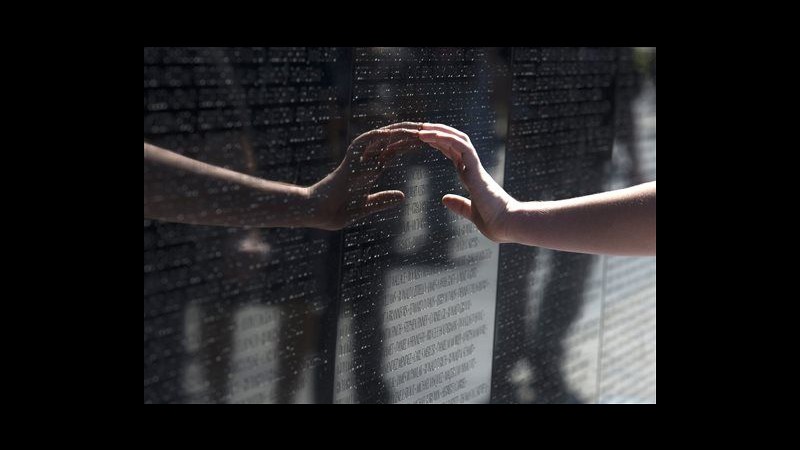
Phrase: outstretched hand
pixel 488 205
pixel 344 195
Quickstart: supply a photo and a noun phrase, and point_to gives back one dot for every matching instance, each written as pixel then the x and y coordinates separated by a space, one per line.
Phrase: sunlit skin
pixel 180 189
pixel 619 222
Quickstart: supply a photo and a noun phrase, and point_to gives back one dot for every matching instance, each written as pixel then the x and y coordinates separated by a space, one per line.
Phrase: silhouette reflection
pixel 291 315
pixel 421 236
pixel 535 322
pixel 225 106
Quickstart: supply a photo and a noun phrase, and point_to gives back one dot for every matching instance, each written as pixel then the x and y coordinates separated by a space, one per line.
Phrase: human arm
pixel 620 222
pixel 181 189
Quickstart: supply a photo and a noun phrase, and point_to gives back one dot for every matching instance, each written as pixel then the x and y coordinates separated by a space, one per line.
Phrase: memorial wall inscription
pixel 411 304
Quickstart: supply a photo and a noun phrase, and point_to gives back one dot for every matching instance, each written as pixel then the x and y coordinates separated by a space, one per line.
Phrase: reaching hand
pixel 343 196
pixel 489 205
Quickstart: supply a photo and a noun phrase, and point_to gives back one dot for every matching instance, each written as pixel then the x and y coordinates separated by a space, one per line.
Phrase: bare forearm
pixel 621 222
pixel 181 189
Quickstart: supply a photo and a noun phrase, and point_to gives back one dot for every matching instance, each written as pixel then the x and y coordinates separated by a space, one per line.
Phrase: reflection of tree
pixel 644 61
pixel 628 86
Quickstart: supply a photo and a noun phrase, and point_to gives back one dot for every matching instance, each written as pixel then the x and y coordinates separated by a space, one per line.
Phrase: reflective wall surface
pixel 411 304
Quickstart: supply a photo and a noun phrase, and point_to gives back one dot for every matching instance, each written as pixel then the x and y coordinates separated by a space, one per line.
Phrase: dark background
pixel 235 315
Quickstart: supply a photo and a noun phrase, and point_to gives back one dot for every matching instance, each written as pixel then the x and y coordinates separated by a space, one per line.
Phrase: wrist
pixel 509 216
pixel 312 216
pixel 521 220
pixel 320 208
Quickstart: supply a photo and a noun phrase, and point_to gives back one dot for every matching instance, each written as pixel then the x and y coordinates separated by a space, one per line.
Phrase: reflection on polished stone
pixel 411 304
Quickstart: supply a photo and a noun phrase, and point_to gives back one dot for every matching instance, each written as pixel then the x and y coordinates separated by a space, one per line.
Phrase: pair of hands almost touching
pixel 181 189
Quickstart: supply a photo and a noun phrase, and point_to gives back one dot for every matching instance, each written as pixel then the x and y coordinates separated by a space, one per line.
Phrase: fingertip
pixel 453 201
pixel 426 134
pixel 389 196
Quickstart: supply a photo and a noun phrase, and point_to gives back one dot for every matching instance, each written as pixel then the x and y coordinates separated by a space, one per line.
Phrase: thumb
pixel 382 200
pixel 459 205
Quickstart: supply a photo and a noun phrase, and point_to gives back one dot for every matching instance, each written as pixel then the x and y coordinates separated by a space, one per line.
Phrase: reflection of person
pixel 620 222
pixel 181 189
